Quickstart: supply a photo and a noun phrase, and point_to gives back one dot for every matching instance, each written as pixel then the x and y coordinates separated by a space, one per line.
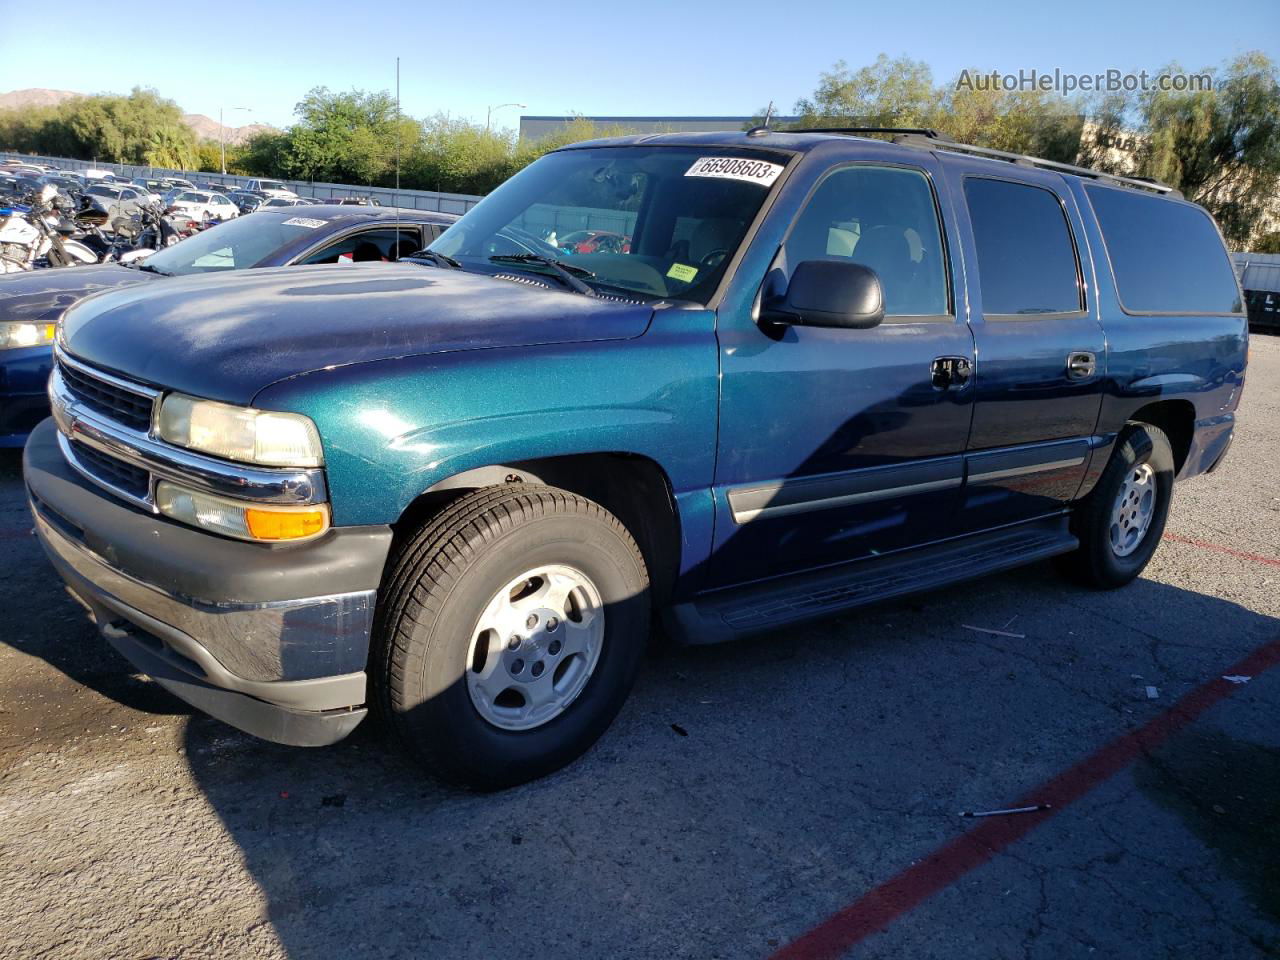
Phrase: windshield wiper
pixel 150 269
pixel 565 271
pixel 439 259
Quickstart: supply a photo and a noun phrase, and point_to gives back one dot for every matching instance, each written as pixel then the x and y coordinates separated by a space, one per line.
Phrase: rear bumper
pixel 1209 445
pixel 272 641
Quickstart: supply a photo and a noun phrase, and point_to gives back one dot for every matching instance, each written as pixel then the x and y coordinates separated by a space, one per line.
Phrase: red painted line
pixel 1219 548
pixel 881 906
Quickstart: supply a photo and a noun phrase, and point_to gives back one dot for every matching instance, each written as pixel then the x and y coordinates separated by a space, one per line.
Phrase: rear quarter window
pixel 1167 256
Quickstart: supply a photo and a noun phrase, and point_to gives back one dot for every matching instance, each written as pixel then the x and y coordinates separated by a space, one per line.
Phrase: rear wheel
pixel 510 631
pixel 1120 522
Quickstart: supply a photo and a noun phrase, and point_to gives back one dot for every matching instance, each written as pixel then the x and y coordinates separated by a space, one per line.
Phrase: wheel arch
pixel 634 488
pixel 1177 419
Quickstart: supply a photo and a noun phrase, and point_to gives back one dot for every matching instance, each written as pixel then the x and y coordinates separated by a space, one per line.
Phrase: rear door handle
pixel 1081 365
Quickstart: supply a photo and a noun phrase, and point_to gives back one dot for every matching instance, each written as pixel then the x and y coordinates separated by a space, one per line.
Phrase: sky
pixel 603 57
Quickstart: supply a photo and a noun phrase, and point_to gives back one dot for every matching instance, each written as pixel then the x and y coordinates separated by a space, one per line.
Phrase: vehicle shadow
pixel 743 788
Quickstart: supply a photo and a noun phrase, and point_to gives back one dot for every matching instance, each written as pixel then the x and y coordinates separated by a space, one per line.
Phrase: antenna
pixel 763 129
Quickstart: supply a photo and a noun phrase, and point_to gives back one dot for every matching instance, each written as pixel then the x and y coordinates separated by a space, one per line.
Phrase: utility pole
pixel 222 138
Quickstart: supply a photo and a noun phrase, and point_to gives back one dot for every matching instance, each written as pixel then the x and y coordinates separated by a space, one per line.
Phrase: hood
pixel 226 336
pixel 40 295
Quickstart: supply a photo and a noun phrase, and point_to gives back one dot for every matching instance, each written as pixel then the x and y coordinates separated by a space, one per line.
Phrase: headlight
pixel 26 334
pixel 240 433
pixel 236 518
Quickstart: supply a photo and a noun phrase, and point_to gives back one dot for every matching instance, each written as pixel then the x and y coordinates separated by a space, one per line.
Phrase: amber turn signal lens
pixel 238 518
pixel 279 525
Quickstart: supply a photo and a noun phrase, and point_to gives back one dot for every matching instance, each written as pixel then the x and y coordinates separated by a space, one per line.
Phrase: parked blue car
pixel 30 303
pixel 828 370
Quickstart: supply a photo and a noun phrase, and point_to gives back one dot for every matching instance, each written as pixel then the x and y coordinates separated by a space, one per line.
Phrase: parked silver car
pixel 116 200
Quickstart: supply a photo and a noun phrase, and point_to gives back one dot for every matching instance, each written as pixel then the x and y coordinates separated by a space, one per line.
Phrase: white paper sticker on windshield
pixel 311 222
pixel 735 168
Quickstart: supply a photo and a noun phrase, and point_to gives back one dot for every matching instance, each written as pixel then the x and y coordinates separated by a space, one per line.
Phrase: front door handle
pixel 947 372
pixel 1081 365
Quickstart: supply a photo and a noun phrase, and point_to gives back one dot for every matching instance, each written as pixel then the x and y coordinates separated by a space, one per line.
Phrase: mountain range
pixel 205 128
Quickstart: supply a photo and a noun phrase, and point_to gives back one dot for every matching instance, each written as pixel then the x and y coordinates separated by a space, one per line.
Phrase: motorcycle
pixel 40 234
pixel 149 230
pixel 132 238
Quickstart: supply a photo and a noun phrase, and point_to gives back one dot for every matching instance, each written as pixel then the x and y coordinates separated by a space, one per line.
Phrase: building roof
pixel 1258 271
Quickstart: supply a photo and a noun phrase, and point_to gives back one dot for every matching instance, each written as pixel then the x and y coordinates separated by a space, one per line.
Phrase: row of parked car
pixel 119 196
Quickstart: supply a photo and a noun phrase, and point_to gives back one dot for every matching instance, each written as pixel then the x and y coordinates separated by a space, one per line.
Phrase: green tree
pixel 887 93
pixel 1032 122
pixel 345 137
pixel 1220 147
pixel 141 128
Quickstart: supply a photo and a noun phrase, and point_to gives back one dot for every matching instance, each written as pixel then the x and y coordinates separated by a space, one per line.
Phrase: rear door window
pixel 1167 256
pixel 1026 257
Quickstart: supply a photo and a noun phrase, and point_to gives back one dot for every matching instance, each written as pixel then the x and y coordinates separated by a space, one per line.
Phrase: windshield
pixel 271 184
pixel 660 221
pixel 242 242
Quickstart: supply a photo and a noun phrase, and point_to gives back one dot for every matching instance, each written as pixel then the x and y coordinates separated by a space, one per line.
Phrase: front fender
pixel 392 429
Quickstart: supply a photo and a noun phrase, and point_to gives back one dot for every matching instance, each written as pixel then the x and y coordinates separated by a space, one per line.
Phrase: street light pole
pixel 488 115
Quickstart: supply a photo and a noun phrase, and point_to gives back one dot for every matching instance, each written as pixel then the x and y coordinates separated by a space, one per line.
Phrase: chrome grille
pixel 107 395
pixel 112 472
pixel 104 432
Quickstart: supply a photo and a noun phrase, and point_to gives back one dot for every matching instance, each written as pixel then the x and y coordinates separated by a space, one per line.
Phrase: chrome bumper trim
pixel 165 461
pixel 227 645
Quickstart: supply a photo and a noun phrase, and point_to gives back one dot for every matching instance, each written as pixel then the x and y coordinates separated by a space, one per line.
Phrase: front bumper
pixel 273 640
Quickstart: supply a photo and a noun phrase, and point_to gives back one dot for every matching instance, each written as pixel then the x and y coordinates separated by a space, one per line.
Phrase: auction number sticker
pixel 736 168
pixel 311 222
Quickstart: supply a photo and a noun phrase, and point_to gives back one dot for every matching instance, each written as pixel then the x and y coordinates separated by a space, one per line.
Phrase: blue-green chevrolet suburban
pixel 808 371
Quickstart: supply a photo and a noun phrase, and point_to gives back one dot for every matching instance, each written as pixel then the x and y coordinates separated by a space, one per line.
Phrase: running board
pixel 739 611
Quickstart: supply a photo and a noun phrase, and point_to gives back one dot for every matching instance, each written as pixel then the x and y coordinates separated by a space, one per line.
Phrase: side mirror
pixel 829 293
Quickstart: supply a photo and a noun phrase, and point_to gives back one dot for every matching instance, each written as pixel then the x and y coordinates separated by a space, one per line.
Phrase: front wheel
pixel 1120 523
pixel 510 631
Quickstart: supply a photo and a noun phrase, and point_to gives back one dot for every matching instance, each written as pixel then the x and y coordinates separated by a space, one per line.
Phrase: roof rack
pixel 928 132
pixel 1022 159
pixel 931 139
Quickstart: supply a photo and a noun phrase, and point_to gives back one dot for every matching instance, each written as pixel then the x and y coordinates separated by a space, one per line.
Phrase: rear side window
pixel 1167 257
pixel 1026 260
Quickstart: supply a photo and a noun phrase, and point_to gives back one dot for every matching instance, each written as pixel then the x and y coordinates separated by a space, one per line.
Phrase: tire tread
pixel 424 569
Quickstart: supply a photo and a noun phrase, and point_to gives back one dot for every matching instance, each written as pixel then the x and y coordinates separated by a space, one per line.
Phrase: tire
pixel 440 586
pixel 1109 556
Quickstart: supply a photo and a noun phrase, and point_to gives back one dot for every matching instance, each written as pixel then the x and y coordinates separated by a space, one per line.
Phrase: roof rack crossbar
pixel 1142 183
